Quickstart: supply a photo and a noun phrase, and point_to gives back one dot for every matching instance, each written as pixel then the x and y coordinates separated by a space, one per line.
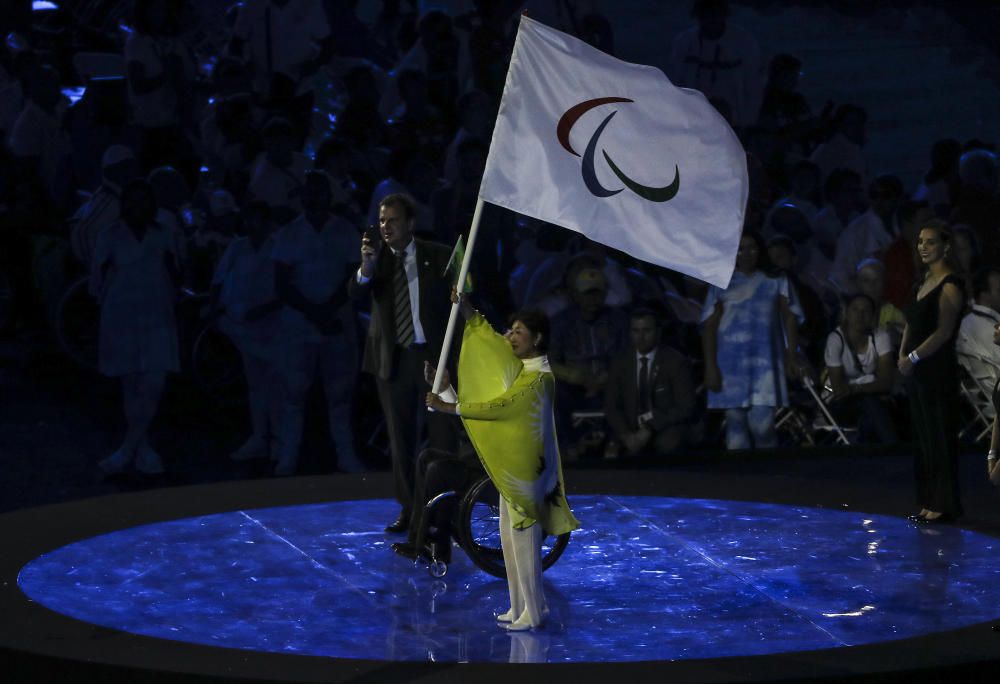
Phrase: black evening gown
pixel 933 393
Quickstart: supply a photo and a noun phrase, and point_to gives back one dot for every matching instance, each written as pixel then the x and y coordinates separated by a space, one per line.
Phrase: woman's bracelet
pixel 913 357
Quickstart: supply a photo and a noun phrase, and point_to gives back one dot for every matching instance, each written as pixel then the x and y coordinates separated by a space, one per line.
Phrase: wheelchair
pixel 476 530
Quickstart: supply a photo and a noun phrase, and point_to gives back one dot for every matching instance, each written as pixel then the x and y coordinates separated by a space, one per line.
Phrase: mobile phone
pixel 374 237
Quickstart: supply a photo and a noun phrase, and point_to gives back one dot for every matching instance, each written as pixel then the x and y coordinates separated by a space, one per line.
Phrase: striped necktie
pixel 644 404
pixel 401 302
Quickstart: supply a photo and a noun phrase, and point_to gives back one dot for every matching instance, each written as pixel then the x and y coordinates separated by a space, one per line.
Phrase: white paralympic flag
pixel 615 151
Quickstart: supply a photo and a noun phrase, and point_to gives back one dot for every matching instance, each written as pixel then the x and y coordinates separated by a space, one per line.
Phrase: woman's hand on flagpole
pixel 463 304
pixel 436 403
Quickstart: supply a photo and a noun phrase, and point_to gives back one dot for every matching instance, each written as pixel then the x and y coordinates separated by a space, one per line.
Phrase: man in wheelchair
pixel 432 527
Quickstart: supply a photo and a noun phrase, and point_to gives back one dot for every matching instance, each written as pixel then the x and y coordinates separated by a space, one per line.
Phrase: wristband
pixel 991 456
pixel 912 356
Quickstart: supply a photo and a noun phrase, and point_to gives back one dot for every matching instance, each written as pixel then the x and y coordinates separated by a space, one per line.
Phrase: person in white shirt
pixel 844 200
pixel 975 334
pixel 37 138
pixel 859 360
pixel 869 234
pixel 288 37
pixel 313 257
pixel 720 59
pixel 160 73
pixel 845 149
pixel 242 296
pixel 279 172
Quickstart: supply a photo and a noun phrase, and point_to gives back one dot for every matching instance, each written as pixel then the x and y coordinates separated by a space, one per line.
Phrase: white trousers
pixel 522 557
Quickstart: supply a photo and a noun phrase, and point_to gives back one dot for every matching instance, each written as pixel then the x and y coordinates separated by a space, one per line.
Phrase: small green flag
pixel 454 267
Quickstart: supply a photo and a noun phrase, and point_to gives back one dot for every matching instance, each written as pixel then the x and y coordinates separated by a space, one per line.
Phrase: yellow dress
pixel 506 406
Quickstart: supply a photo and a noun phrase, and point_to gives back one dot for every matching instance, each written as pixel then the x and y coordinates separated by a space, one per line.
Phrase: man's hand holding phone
pixel 371 245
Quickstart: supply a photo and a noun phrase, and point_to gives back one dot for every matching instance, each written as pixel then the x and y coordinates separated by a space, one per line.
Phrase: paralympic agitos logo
pixel 565 125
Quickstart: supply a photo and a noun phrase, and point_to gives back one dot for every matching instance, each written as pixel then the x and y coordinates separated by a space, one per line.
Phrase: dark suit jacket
pixel 435 304
pixel 671 385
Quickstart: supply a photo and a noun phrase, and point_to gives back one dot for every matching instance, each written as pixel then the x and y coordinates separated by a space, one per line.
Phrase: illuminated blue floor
pixel 648 579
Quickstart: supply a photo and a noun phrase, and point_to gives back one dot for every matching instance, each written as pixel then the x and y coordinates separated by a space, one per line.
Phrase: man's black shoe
pixel 405 549
pixel 399 525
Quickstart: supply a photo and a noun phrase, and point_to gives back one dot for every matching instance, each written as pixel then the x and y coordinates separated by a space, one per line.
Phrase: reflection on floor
pixel 646 579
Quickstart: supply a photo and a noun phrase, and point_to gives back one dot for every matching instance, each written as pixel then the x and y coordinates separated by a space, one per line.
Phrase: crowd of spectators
pixel 242 154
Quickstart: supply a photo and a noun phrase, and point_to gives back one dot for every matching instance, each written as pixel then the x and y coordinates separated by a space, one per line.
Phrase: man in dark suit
pixel 410 302
pixel 649 398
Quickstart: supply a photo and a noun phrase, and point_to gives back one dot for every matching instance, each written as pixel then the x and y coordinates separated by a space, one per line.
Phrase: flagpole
pixel 449 332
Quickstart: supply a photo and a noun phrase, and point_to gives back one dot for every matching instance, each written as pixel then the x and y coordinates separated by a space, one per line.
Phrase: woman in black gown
pixel 927 360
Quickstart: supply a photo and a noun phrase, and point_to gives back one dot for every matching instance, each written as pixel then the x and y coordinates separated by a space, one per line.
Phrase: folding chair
pixel 975 384
pixel 804 422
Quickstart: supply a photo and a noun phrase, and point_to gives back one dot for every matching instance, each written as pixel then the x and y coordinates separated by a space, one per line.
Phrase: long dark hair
pixel 537 322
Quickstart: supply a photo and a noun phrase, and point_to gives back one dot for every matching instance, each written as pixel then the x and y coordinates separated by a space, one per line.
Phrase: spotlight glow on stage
pixel 645 579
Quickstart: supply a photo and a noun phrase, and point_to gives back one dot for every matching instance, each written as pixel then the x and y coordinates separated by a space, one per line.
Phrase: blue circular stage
pixel 646 579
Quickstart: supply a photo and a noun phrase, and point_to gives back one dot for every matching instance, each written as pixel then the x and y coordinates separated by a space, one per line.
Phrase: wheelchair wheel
pixel 479 518
pixel 78 323
pixel 218 368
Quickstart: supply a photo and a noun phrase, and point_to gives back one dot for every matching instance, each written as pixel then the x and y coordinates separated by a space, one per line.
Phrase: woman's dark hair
pixel 537 322
pixel 763 260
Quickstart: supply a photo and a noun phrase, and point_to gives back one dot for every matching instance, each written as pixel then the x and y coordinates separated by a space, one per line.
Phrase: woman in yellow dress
pixel 505 400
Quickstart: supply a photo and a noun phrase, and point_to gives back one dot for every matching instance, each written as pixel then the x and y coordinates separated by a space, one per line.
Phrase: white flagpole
pixel 473 231
pixel 449 332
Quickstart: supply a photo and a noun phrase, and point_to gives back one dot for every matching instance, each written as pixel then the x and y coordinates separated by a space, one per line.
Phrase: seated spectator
pixel 803 190
pixel 279 173
pixel 649 399
pixel 783 109
pixel 844 201
pixel 975 334
pixel 476 121
pixel 978 205
pixel 551 285
pixel 869 234
pixel 845 148
pixel 940 186
pixel 860 360
pixel 787 223
pixel 455 203
pixel 439 54
pixel 871 281
pixel 335 157
pixel 415 123
pixel 585 337
pixel 965 255
pixel 242 295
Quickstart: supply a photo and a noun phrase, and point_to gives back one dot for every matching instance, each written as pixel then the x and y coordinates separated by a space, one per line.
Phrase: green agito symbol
pixel 565 125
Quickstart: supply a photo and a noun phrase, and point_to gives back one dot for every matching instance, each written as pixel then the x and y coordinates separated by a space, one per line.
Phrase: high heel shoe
pixel 943 519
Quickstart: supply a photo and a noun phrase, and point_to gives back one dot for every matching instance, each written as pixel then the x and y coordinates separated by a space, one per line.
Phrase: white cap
pixel 115 154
